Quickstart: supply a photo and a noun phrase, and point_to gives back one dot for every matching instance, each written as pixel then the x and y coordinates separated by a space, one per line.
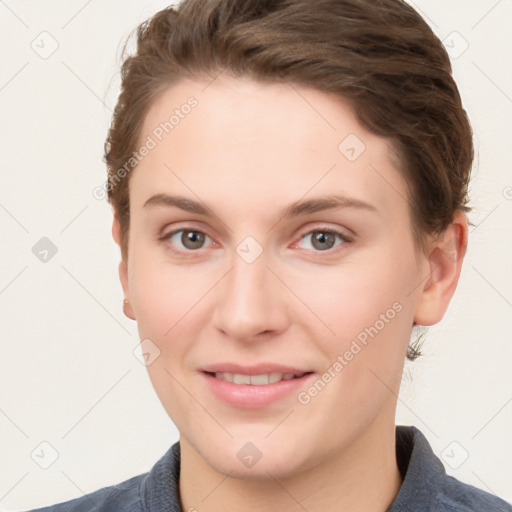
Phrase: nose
pixel 251 303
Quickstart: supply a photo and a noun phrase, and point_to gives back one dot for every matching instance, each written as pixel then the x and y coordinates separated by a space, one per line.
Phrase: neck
pixel 363 477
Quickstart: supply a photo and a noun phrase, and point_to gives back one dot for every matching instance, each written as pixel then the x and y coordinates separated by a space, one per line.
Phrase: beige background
pixel 68 373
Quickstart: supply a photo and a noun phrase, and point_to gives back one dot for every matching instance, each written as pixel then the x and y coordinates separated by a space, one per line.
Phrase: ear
pixel 446 254
pixel 123 269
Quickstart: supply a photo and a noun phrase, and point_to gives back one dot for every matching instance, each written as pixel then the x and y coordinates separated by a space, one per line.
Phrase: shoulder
pixel 156 490
pixel 120 497
pixel 456 496
pixel 426 487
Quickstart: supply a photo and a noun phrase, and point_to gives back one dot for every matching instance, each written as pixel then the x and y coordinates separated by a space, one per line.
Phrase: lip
pixel 248 396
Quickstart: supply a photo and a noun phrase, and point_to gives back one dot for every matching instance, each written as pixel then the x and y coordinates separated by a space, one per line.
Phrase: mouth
pixel 254 387
pixel 262 379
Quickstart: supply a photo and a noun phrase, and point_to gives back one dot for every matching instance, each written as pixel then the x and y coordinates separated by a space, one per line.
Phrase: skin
pixel 247 151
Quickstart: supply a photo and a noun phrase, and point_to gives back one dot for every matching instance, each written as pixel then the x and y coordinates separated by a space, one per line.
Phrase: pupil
pixel 192 239
pixel 323 238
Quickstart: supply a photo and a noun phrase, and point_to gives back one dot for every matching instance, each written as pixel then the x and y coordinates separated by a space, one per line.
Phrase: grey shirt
pixel 425 486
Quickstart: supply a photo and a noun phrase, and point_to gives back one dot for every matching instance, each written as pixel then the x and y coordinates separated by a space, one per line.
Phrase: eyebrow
pixel 301 207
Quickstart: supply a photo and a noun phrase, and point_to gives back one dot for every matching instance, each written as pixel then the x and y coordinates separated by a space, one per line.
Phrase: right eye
pixel 185 240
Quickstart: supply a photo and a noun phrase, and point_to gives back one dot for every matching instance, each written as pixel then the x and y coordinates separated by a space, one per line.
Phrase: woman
pixel 289 186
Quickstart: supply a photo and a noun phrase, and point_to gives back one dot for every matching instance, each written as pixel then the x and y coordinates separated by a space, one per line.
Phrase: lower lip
pixel 247 396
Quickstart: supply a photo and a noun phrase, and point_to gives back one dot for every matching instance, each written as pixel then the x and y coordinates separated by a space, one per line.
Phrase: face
pixel 272 273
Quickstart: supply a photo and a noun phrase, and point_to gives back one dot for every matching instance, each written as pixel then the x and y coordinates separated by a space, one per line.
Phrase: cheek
pixel 370 309
pixel 166 302
pixel 365 358
pixel 163 295
pixel 355 298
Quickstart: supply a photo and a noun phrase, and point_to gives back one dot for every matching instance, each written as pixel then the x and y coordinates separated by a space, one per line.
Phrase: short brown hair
pixel 378 55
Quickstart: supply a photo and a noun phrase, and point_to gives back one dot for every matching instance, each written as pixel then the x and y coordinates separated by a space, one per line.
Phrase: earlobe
pixel 446 255
pixel 123 277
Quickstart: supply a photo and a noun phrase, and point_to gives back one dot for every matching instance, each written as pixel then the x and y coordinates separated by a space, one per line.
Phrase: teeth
pixel 241 379
pixel 259 380
pixel 256 380
pixel 274 377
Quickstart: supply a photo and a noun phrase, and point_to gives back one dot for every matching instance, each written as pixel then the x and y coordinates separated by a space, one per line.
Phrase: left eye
pixel 190 239
pixel 324 239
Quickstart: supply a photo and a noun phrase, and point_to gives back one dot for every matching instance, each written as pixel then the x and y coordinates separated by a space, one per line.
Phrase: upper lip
pixel 259 369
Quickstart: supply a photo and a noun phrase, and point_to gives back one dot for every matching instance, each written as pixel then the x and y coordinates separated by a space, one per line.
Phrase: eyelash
pixel 343 236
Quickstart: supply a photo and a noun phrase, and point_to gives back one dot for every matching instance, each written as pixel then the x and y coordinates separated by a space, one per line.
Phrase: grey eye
pixel 323 239
pixel 189 239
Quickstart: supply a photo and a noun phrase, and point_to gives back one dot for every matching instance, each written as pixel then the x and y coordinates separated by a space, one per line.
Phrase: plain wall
pixel 68 373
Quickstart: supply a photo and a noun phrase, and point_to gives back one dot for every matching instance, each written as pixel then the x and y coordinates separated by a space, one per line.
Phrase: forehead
pixel 245 142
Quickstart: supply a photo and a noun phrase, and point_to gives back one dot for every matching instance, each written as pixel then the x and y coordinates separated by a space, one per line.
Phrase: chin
pixel 259 460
